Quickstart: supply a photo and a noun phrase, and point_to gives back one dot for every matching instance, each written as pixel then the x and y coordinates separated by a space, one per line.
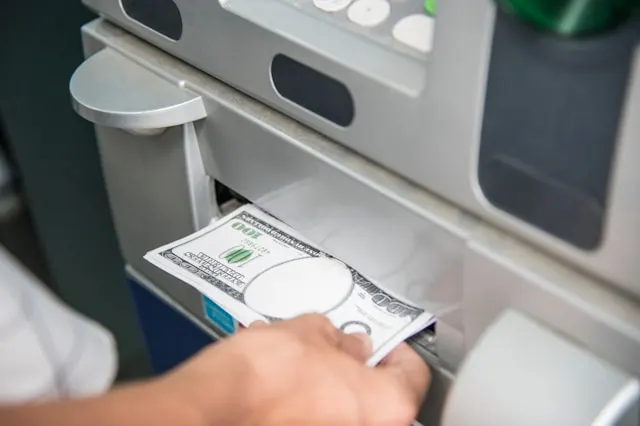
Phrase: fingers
pixel 409 369
pixel 319 331
pixel 314 329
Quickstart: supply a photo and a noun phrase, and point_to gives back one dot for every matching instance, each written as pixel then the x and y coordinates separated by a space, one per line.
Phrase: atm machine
pixel 475 156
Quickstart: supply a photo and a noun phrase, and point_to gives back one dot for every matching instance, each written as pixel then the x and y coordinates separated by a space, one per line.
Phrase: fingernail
pixel 366 341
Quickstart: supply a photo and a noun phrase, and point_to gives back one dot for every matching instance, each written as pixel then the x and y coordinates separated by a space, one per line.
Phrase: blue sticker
pixel 218 316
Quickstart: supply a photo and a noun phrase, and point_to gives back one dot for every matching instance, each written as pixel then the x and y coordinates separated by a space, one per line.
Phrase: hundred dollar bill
pixel 258 268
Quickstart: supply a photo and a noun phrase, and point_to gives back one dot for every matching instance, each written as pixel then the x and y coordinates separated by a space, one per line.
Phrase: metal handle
pixel 111 90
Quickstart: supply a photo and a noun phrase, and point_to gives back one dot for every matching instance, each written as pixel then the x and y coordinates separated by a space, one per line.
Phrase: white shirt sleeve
pixel 47 351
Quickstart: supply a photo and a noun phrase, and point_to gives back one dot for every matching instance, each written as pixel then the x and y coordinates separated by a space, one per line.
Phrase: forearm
pixel 137 405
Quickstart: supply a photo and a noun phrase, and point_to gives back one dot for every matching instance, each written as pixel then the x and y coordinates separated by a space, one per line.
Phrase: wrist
pixel 141 404
pixel 172 405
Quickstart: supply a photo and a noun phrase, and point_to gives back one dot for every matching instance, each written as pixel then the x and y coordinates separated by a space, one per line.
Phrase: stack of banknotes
pixel 257 268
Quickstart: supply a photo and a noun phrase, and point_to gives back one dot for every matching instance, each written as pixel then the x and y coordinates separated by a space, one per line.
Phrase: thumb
pixel 411 372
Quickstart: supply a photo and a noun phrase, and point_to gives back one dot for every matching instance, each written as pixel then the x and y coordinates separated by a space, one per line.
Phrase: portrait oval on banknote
pixel 300 286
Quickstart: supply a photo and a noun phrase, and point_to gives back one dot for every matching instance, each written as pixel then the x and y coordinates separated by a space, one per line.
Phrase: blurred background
pixel 54 214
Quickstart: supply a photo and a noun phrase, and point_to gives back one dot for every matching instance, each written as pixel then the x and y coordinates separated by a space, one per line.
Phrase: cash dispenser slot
pixel 227 200
pixel 425 341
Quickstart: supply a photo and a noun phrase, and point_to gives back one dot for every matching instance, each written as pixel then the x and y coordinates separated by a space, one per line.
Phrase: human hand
pixel 301 372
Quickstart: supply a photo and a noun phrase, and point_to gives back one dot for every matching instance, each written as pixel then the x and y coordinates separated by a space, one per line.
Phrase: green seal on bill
pixel 430 7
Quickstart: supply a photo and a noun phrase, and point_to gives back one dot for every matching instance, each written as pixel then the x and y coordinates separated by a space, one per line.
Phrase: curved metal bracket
pixel 110 90
pixel 522 373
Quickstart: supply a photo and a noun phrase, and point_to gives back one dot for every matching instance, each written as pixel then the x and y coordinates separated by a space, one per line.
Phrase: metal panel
pixel 157 193
pixel 500 274
pixel 318 187
pixel 421 119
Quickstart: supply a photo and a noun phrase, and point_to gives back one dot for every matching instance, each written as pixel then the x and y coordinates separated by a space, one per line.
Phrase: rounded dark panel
pixel 162 16
pixel 312 90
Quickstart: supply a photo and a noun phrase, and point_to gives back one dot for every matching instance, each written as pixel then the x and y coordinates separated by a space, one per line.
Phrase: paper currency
pixel 257 268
